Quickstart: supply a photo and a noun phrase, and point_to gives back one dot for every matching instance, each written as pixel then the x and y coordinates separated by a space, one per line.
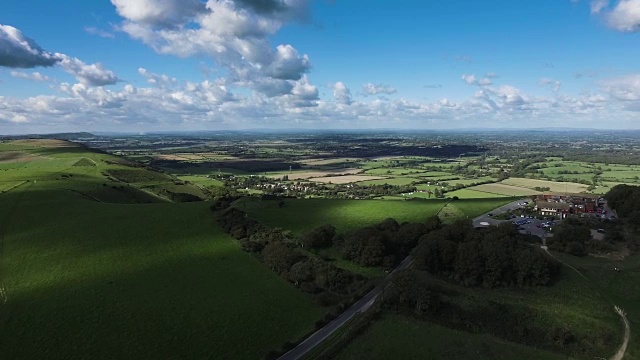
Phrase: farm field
pixel 504 189
pixel 553 185
pixel 96 280
pixel 471 194
pixel 399 337
pixel 299 215
pixel 201 180
pixel 471 208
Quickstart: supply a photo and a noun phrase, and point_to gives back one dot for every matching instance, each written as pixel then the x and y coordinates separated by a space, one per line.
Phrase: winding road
pixel 368 300
pixel 365 303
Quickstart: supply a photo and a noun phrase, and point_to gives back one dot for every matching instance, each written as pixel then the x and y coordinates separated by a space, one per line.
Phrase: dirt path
pixel 627 334
pixel 627 328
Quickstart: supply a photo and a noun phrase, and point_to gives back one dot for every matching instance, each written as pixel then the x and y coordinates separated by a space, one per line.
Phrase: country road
pixel 365 303
pixel 360 306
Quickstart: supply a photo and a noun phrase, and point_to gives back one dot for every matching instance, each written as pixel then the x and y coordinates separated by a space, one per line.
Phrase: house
pixel 549 208
pixel 563 204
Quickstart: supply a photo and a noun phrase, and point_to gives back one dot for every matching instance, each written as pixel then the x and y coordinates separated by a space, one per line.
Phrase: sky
pixel 184 65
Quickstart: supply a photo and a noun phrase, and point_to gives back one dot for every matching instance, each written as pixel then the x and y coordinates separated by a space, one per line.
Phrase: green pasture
pixel 300 215
pixel 470 194
pixel 399 337
pixel 96 280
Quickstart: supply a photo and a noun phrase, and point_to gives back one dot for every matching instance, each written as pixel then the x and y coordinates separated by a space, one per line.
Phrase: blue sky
pixel 140 65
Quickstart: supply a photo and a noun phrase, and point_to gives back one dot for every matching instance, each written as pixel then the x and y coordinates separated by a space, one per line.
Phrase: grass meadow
pixel 96 280
pixel 299 215
pixel 412 339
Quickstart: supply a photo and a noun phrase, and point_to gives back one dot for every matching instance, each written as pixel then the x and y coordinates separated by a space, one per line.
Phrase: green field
pixel 412 339
pixel 95 280
pixel 201 180
pixel 471 194
pixel 300 215
pixel 620 288
pixel 390 181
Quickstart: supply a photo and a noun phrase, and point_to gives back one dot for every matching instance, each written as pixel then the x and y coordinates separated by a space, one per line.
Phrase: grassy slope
pixel 300 215
pixel 421 340
pixel 97 280
pixel 622 289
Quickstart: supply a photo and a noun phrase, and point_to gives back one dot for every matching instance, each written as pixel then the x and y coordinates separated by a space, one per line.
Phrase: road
pixel 501 210
pixel 360 306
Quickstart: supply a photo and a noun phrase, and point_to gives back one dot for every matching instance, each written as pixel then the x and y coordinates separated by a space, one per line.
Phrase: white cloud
pixel 341 93
pixel 19 51
pixel 373 89
pixel 623 15
pixel 88 74
pixel 159 12
pixel 34 76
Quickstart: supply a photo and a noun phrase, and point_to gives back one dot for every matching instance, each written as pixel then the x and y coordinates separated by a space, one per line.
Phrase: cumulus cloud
pixel 234 33
pixel 161 13
pixel 87 74
pixel 19 51
pixel 211 104
pixel 473 80
pixel 341 93
pixel 623 15
pixel 34 76
pixel 373 89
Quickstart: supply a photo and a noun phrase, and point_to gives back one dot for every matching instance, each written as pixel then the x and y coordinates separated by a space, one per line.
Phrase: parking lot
pixel 529 225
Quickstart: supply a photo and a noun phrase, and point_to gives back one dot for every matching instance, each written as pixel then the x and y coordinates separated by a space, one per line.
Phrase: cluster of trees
pixel 493 257
pixel 279 251
pixel 571 236
pixel 625 199
pixel 385 244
